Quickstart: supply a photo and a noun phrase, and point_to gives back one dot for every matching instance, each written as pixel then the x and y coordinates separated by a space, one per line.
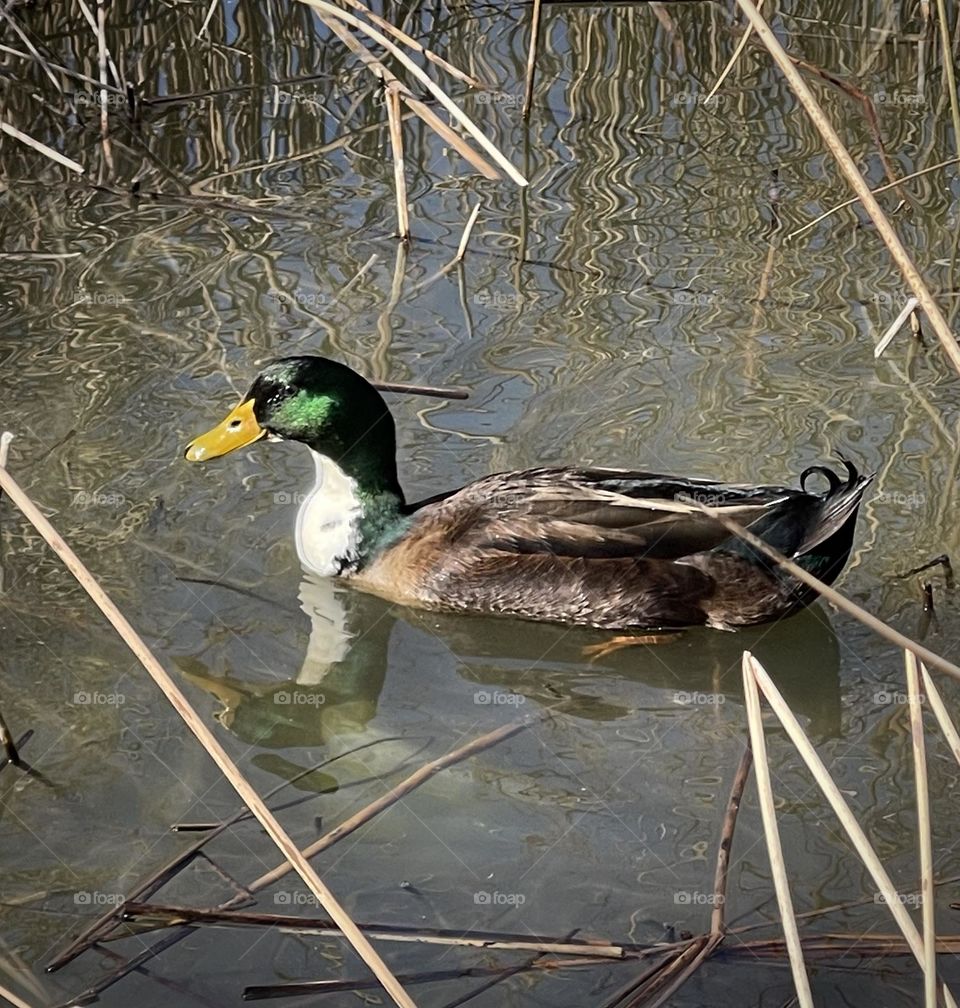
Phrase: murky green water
pixel 637 305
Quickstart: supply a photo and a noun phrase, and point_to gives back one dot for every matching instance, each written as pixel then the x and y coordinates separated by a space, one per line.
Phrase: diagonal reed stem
pixel 846 164
pixel 207 739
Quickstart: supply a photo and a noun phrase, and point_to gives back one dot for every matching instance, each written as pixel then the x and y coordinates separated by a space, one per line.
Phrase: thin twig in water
pixel 9 746
pixel 879 189
pixel 161 915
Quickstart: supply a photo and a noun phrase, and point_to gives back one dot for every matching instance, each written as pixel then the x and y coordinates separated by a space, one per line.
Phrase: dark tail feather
pixel 840 504
pixel 815 532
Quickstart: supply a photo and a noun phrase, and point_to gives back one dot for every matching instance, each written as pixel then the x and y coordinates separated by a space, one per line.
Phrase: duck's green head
pixel 322 403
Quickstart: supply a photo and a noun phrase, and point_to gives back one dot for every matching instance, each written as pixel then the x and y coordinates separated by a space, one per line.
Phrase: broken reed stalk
pixel 467 231
pixel 253 801
pixel 887 338
pixel 412 43
pixel 441 96
pixel 844 813
pixel 532 59
pixel 741 45
pixel 417 107
pixel 214 4
pixel 846 164
pixel 880 628
pixel 718 916
pixel 771 832
pixel 924 833
pixel 396 148
pixel 172 916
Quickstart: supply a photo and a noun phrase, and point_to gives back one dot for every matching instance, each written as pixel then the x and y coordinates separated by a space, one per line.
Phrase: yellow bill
pixel 239 429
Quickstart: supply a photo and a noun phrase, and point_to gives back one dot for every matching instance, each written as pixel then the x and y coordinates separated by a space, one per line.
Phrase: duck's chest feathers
pixel 329 522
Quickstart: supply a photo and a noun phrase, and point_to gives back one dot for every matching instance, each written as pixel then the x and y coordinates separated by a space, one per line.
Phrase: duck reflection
pixel 355 639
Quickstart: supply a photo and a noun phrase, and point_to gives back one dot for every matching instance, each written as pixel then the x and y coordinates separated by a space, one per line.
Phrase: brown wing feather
pixel 598 513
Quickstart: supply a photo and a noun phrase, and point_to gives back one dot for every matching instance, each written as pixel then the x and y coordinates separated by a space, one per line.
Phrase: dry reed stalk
pixel 532 59
pixel 887 338
pixel 73 74
pixel 924 833
pixel 718 916
pixel 41 148
pixel 209 16
pixel 396 147
pixel 412 43
pixel 949 76
pixel 467 231
pixel 16 1001
pixel 92 21
pixel 879 189
pixel 939 709
pixel 441 96
pixel 31 48
pixel 842 810
pixel 880 628
pixel 768 812
pixel 208 740
pixel 102 63
pixel 171 916
pixel 741 45
pixel 391 797
pixel 416 106
pixel 846 163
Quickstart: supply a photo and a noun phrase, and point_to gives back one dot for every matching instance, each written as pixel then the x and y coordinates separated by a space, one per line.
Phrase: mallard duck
pixel 607 548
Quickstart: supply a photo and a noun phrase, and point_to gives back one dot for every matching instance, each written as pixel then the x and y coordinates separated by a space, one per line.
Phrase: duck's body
pixel 606 548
